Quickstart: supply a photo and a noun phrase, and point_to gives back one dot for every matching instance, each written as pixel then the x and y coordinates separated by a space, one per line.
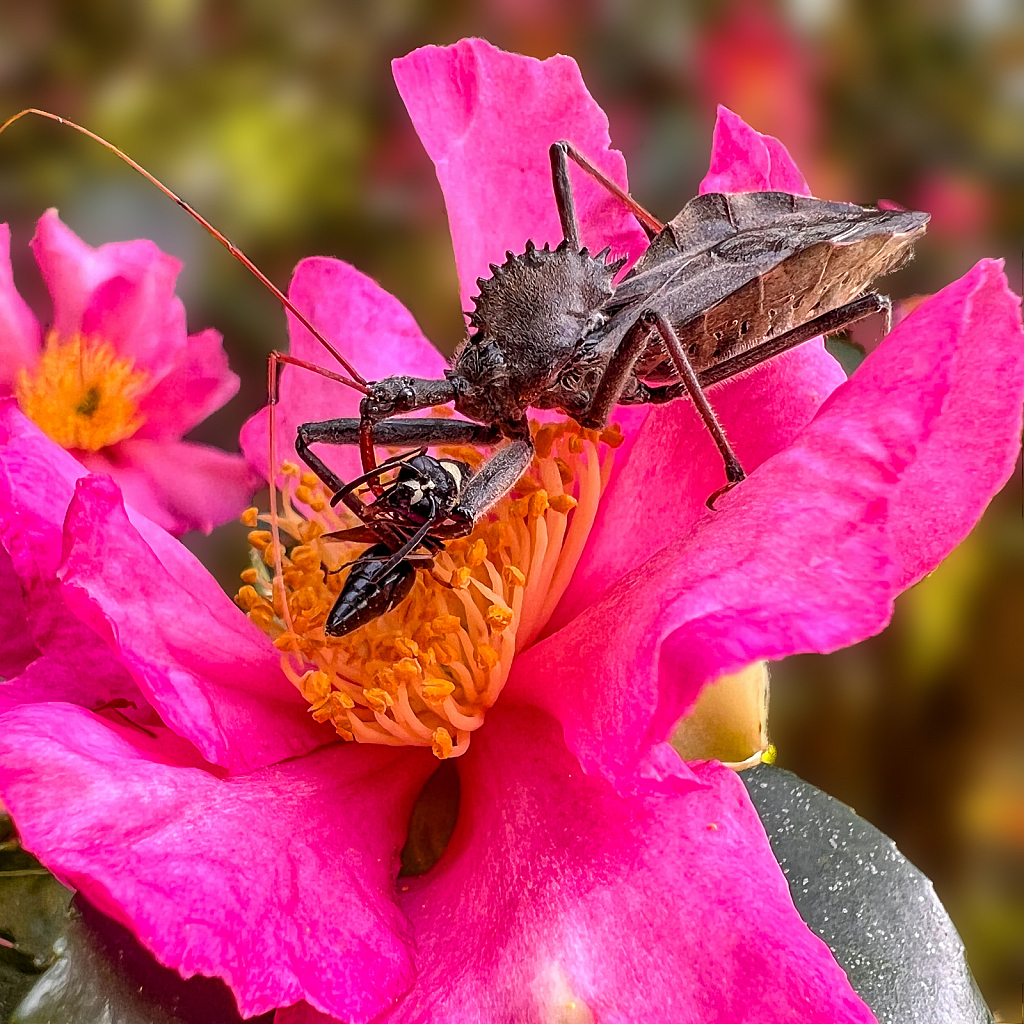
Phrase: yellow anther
pixel 442 743
pixel 304 600
pixel 378 700
pixel 305 557
pixel 318 504
pixel 259 539
pixel 446 624
pixel 476 554
pixel 544 440
pixel 249 575
pixel 304 494
pixel 498 618
pixel 406 647
pixel 407 671
pixel 513 576
pixel 487 656
pixel 565 472
pixel 460 578
pixel 521 507
pixel 287 642
pixel 612 436
pixel 310 531
pixel 526 485
pixel 576 444
pixel 563 503
pixel 261 617
pixel 250 517
pixel 289 468
pixel 247 598
pixel 332 709
pixel 309 479
pixel 538 503
pixel 315 686
pixel 438 690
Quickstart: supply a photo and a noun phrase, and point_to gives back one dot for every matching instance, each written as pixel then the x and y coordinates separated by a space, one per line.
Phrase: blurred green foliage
pixel 281 124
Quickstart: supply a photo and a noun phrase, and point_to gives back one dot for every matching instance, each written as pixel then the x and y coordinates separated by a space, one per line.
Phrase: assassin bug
pixel 727 284
pixel 730 282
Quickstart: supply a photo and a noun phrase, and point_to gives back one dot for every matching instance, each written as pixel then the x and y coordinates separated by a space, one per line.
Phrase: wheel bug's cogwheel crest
pixel 538 305
pixel 425 672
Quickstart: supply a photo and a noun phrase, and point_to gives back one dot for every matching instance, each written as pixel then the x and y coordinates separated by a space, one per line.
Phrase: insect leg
pixel 677 353
pixel 617 374
pixel 651 225
pixel 828 323
pixel 488 485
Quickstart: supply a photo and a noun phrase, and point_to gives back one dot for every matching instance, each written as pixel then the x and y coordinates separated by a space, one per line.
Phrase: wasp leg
pixel 488 485
pixel 562 149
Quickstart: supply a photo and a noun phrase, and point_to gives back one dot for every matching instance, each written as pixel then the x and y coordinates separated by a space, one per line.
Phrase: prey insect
pixel 730 282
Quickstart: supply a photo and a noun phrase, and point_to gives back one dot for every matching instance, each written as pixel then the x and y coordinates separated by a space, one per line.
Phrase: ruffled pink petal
pixel 660 486
pixel 809 553
pixel 486 118
pixel 559 900
pixel 180 485
pixel 196 386
pixel 19 330
pixel 37 478
pixel 369 326
pixel 743 160
pixel 17 648
pixel 122 292
pixel 279 882
pixel 211 674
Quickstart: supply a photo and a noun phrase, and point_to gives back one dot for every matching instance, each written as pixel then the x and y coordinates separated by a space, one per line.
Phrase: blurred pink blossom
pixel 592 874
pixel 117 380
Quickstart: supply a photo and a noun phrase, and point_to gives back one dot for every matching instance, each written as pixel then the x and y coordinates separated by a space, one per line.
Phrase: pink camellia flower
pixel 592 875
pixel 118 380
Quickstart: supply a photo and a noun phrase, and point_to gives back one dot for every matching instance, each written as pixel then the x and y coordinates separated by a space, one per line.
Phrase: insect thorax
pixel 529 322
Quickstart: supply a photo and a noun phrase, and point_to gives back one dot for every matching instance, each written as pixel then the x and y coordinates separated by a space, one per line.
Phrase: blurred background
pixel 281 123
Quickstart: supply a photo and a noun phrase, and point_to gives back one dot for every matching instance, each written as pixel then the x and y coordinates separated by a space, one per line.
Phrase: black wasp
pixel 730 282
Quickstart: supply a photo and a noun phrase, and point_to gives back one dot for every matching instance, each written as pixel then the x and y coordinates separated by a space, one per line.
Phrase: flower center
pixel 425 672
pixel 82 394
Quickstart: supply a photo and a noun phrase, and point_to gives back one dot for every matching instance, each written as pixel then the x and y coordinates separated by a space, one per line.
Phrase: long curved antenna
pixel 358 382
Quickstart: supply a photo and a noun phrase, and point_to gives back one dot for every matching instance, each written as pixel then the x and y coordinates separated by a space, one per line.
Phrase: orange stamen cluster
pixel 425 672
pixel 82 393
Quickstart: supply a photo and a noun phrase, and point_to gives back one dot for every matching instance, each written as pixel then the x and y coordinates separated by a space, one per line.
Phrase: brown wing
pixel 731 271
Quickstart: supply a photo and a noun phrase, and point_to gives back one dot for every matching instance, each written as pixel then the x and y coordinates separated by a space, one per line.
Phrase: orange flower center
pixel 425 672
pixel 82 394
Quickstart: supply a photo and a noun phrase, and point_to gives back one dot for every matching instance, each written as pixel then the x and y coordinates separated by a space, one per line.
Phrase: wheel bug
pixel 730 282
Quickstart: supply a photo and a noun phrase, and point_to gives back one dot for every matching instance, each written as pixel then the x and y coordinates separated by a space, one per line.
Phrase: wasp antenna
pixel 358 381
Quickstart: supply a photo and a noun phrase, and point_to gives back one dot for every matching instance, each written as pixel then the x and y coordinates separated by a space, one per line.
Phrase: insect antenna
pixel 355 380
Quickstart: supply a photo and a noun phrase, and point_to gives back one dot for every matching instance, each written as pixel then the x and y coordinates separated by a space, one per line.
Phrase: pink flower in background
pixel 118 380
pixel 592 875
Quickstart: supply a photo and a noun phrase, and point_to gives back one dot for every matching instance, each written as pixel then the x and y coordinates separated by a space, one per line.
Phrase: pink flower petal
pixel 211 674
pixel 122 292
pixel 809 553
pixel 196 386
pixel 20 334
pixel 369 326
pixel 659 489
pixel 486 118
pixel 17 648
pixel 37 478
pixel 279 882
pixel 743 160
pixel 558 896
pixel 180 485
pixel 971 334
